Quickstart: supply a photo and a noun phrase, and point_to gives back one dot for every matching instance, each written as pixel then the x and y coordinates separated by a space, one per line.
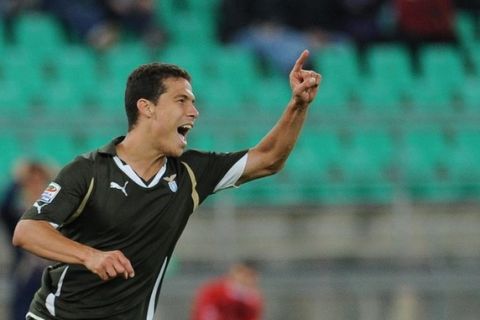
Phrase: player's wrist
pixel 299 104
pixel 86 255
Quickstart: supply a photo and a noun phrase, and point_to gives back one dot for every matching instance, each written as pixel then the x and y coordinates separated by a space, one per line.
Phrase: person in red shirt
pixel 426 20
pixel 235 296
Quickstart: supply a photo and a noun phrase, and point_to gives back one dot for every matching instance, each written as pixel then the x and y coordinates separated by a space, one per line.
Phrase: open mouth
pixel 183 132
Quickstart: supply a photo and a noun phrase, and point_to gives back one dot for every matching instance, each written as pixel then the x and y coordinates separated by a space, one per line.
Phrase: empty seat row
pixel 379 146
pixel 442 66
pixel 366 164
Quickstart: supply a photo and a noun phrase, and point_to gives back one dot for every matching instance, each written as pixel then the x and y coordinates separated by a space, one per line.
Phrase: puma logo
pixel 39 206
pixel 115 185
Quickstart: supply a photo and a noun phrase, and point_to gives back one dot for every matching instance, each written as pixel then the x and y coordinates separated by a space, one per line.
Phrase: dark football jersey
pixel 99 201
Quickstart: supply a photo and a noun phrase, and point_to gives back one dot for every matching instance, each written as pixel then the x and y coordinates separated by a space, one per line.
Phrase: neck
pixel 140 156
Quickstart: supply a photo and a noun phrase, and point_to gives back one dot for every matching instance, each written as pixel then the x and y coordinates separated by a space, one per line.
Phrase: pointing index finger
pixel 301 60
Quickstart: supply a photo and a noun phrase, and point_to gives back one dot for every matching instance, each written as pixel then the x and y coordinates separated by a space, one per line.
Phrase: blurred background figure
pixel 362 20
pixel 235 296
pixel 422 22
pixel 268 28
pixel 30 179
pixel 101 23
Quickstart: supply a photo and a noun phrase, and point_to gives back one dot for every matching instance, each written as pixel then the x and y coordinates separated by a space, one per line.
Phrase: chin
pixel 176 153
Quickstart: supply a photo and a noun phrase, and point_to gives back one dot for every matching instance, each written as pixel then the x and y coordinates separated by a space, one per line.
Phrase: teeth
pixel 187 126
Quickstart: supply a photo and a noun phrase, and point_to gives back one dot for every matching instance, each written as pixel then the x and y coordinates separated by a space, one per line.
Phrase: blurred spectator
pixel 101 23
pixel 30 180
pixel 361 20
pixel 235 296
pixel 278 30
pixel 421 22
pixel 425 21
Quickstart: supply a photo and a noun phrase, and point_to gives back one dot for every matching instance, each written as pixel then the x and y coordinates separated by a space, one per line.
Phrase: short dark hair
pixel 147 81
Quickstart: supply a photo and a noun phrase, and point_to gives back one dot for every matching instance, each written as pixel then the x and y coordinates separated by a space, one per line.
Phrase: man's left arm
pixel 270 154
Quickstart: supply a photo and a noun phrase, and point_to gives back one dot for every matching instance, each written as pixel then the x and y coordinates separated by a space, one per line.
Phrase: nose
pixel 193 112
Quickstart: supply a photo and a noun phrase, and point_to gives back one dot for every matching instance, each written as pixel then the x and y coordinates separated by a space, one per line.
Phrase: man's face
pixel 173 116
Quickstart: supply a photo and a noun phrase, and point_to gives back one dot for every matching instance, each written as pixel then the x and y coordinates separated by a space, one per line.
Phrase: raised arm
pixel 269 155
pixel 42 239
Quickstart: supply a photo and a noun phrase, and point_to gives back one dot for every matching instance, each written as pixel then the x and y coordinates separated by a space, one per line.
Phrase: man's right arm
pixel 42 239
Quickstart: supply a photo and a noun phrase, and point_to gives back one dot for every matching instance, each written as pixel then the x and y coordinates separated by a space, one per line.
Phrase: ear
pixel 144 107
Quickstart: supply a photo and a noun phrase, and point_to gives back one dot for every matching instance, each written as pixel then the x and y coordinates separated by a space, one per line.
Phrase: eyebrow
pixel 182 95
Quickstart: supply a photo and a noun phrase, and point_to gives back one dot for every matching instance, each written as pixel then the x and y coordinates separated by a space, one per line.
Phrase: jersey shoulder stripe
pixel 82 205
pixel 195 196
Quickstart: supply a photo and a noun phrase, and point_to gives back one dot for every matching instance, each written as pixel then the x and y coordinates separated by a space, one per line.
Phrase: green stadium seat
pixel 235 65
pixel 271 96
pixel 11 152
pixel 267 191
pixel 443 67
pixel 202 140
pixel 194 29
pixel 14 101
pixel 465 28
pixel 468 137
pixel 474 57
pixel 61 97
pixel 77 65
pixel 250 137
pixel 429 99
pixel 368 164
pixel 192 60
pixel 462 162
pixel 3 40
pixel 110 97
pixel 20 67
pixel 378 98
pixel 339 64
pixel 40 34
pixel 201 5
pixel 220 97
pixel 332 101
pixel 390 64
pixel 470 96
pixel 315 158
pixel 97 139
pixel 122 59
pixel 58 148
pixel 375 147
pixel 423 166
pixel 167 12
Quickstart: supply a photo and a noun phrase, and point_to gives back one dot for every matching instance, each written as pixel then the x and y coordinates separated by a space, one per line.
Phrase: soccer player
pixel 112 217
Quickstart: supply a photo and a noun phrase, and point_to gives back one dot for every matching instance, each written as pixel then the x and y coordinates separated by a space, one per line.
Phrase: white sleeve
pixel 232 175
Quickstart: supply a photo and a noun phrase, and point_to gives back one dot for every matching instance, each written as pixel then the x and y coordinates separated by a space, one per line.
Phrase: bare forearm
pixel 281 139
pixel 41 239
pixel 270 154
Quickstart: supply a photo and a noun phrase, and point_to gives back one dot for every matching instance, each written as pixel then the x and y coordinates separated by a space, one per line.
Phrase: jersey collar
pixel 110 147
